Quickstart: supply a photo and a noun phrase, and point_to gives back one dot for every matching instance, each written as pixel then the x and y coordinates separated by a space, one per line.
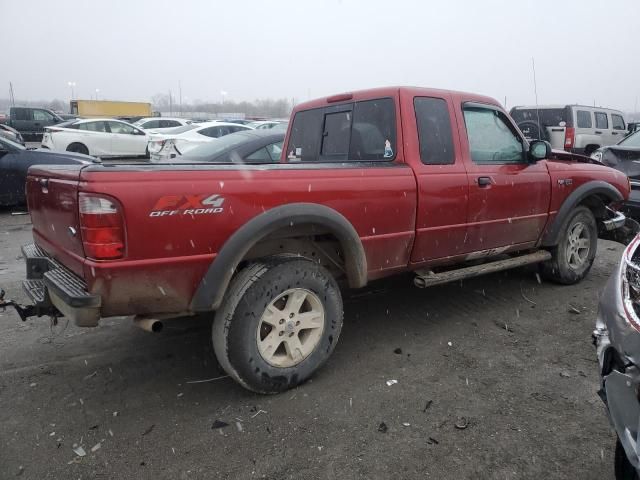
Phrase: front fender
pixel 597 188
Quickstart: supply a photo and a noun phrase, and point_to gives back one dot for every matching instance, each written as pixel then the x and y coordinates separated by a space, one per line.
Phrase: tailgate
pixel 556 137
pixel 52 196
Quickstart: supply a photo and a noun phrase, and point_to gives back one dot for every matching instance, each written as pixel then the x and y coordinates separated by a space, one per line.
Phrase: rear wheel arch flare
pixel 210 292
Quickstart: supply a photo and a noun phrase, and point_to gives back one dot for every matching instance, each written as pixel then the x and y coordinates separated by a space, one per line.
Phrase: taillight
pixel 569 138
pixel 101 227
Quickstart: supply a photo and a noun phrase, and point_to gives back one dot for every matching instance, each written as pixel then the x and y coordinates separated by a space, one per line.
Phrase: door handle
pixel 614 133
pixel 484 181
pixel 597 132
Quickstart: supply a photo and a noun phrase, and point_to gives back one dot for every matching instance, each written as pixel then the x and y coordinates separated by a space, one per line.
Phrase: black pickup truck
pixel 30 121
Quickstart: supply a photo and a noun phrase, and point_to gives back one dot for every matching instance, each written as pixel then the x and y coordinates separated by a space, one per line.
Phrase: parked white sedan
pixel 100 137
pixel 161 124
pixel 163 147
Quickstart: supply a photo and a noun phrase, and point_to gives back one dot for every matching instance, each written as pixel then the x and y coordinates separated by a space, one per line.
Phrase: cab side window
pixel 434 131
pixel 617 121
pixel 601 120
pixel 584 119
pixel 42 116
pixel 492 139
pixel 360 131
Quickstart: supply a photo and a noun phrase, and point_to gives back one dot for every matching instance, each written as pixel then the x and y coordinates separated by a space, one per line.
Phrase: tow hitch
pixel 26 311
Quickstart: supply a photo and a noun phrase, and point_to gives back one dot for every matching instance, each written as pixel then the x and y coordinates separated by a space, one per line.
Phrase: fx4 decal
pixel 200 204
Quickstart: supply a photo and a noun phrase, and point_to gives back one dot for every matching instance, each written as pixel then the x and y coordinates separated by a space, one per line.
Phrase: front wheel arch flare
pixel 213 285
pixel 597 188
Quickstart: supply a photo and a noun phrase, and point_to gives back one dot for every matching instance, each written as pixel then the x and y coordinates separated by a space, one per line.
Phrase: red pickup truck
pixel 370 184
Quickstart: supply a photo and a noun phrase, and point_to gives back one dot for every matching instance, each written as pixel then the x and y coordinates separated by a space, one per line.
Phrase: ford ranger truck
pixel 370 184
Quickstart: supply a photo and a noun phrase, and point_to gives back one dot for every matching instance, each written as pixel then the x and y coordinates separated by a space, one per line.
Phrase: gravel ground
pixel 496 378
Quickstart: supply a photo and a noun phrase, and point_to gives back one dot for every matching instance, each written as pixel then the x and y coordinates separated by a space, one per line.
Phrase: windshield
pixel 176 130
pixel 632 140
pixel 549 117
pixel 208 151
pixel 5 142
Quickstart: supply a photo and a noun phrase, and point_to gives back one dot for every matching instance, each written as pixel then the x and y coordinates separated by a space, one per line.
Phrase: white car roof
pixel 162 118
pixel 544 107
pixel 87 120
pixel 220 124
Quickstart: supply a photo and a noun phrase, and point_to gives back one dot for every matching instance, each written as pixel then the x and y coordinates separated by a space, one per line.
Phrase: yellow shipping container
pixel 104 108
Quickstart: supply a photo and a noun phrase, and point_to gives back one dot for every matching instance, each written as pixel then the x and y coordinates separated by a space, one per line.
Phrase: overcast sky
pixel 585 50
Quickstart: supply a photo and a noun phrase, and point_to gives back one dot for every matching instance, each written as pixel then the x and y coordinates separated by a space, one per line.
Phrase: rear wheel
pixel 622 467
pixel 78 148
pixel 573 256
pixel 278 324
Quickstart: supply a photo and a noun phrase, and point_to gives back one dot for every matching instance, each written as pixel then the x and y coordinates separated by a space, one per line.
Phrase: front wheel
pixel 279 322
pixel 573 256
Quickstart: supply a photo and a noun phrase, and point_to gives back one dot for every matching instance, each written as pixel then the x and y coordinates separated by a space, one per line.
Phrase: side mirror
pixel 539 150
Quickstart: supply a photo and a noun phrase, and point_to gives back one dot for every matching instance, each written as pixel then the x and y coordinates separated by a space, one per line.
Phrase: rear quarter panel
pixel 167 255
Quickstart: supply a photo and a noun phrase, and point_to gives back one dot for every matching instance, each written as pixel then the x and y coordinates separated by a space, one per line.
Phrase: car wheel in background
pixel 573 256
pixel 279 322
pixel 78 148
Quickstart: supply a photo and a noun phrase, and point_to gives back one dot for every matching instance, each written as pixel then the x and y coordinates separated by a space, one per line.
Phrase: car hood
pixel 572 157
pixel 623 152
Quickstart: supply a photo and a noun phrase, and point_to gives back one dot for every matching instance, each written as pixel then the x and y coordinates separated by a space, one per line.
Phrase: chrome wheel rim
pixel 578 245
pixel 290 328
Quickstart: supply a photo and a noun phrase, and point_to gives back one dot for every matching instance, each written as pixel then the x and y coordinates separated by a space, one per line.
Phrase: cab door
pixel 435 156
pixel 509 195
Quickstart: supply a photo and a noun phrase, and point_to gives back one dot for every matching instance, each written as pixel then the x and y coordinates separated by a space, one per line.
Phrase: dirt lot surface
pixel 496 378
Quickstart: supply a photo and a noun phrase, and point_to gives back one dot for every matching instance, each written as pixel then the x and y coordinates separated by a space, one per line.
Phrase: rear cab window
pixel 22 114
pixel 358 131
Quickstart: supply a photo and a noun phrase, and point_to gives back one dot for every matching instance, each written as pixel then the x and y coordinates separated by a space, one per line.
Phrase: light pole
pixel 223 94
pixel 97 92
pixel 72 85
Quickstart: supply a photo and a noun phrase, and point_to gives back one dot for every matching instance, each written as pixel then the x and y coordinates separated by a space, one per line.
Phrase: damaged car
pixel 617 340
pixel 625 157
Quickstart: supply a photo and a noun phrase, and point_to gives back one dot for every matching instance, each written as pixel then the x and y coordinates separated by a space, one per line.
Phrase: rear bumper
pixel 49 283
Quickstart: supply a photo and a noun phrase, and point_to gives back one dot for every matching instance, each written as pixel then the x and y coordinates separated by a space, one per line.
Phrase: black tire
pixel 622 467
pixel 236 325
pixel 589 149
pixel 533 130
pixel 78 148
pixel 563 267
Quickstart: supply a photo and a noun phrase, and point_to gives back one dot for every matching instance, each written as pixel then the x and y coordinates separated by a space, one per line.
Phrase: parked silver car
pixel 617 341
pixel 11 133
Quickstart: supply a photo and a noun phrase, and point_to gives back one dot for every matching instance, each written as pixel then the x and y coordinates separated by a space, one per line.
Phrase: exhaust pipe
pixel 148 324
